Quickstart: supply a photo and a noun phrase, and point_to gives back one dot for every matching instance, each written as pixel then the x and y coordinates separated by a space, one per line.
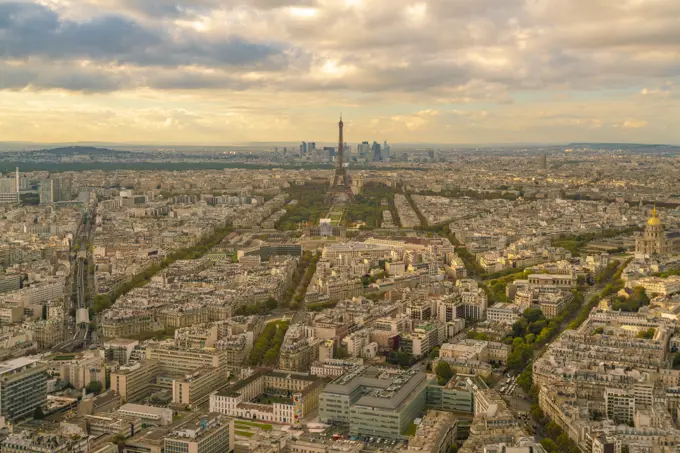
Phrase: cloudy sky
pixel 437 71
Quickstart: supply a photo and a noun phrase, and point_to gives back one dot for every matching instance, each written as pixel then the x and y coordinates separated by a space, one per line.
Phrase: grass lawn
pixel 243 433
pixel 270 399
pixel 262 426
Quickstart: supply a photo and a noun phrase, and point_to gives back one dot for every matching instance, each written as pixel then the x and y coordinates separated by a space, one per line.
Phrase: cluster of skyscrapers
pixel 374 152
pixel 365 152
pixel 50 190
pixel 10 186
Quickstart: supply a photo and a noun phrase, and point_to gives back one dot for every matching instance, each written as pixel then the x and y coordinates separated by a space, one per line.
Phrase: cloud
pixel 71 77
pixel 634 124
pixel 400 46
pixel 388 60
pixel 35 31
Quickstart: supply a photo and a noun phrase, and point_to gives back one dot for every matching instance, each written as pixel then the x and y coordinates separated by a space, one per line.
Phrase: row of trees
pixel 309 273
pixel 260 308
pixel 498 286
pixel 266 348
pixel 319 306
pixel 647 334
pixel 523 337
pixel 607 273
pixel 480 336
pixel 444 372
pixel 637 299
pixel 505 194
pixel 366 210
pixel 400 358
pixel 368 207
pixel 103 301
pixel 298 274
pixel 556 440
pixel 676 361
pixel 575 243
pixel 532 332
pixel 612 288
pixel 472 267
pixel 310 206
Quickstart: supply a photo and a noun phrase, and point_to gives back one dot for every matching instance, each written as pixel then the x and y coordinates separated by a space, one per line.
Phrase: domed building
pixel 653 241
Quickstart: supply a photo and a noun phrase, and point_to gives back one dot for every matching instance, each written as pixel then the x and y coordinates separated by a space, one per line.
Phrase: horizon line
pixel 287 143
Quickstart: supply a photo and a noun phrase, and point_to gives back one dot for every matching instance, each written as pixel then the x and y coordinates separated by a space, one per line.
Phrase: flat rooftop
pixel 144 409
pixel 16 364
pixel 382 388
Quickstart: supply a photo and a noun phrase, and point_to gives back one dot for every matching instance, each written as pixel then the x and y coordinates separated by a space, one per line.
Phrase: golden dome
pixel 654 220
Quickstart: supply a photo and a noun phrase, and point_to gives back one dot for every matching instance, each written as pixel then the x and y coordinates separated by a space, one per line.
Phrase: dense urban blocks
pixel 223 306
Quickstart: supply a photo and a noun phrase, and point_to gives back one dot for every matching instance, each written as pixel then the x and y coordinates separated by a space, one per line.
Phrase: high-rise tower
pixel 340 190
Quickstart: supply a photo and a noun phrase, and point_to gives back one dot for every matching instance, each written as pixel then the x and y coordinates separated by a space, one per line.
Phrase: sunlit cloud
pixel 634 124
pixel 304 13
pixel 403 70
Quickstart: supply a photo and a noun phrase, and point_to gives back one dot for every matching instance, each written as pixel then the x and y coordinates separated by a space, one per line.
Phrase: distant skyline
pixel 33 146
pixel 209 72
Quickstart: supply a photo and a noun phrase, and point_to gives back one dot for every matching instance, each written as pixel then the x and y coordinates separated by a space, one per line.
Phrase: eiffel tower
pixel 340 190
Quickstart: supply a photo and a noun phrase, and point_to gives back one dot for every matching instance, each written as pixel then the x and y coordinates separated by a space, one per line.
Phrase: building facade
pixel 213 433
pixel 23 387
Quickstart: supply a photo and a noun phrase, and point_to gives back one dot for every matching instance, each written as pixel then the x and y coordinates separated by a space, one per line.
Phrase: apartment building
pixel 25 441
pixel 10 282
pixel 133 382
pixel 119 350
pixel 355 342
pixel 23 387
pixel 552 304
pixel 424 338
pixel 298 351
pixel 10 313
pixel 657 285
pixel 213 433
pixel 160 416
pixel 126 323
pixel 620 405
pixel 82 370
pixel 374 401
pixel 503 312
pixel 333 367
pixel 48 333
pixel 236 348
pixel 195 388
pixel 436 433
pixel 183 361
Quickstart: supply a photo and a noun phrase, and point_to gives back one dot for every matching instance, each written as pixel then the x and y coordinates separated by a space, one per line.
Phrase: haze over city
pixel 439 71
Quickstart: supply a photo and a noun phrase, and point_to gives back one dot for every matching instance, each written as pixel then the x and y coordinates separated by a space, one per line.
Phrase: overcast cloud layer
pixel 440 71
